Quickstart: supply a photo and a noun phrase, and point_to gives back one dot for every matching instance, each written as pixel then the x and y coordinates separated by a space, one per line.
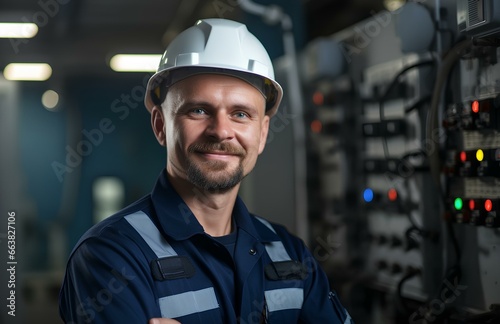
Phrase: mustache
pixel 207 147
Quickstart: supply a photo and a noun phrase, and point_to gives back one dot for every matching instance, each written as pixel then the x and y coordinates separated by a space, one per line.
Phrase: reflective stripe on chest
pixel 181 304
pixel 282 298
pixel 197 301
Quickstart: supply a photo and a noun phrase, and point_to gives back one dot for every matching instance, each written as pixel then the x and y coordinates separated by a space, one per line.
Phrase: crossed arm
pixel 163 321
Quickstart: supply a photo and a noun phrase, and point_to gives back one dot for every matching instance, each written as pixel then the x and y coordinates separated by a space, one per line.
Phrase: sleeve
pixel 106 282
pixel 320 304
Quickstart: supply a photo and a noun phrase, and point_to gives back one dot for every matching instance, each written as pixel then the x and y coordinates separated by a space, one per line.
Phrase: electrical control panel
pixel 391 153
pixel 472 164
pixel 412 208
pixel 478 17
pixel 332 167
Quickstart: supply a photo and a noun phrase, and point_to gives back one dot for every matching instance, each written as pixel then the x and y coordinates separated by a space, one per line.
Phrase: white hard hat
pixel 217 46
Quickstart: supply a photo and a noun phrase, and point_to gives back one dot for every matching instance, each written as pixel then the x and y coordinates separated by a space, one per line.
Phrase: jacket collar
pixel 177 221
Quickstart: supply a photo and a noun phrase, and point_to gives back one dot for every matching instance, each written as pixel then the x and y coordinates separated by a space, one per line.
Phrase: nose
pixel 220 127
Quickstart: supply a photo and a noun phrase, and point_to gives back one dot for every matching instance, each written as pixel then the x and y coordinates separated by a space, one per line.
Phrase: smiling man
pixel 190 251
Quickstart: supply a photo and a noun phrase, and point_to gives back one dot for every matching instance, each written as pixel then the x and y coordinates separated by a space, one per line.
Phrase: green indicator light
pixel 458 203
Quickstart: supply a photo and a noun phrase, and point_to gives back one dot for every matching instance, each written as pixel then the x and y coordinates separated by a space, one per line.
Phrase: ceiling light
pixel 27 71
pixel 50 99
pixel 135 62
pixel 18 30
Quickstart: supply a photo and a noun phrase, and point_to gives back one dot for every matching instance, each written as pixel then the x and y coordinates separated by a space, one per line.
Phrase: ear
pixel 158 125
pixel 264 130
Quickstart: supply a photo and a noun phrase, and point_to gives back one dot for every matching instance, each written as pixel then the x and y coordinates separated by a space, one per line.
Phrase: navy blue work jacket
pixel 153 259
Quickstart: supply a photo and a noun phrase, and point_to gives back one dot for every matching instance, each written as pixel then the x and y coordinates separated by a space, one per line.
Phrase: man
pixel 190 251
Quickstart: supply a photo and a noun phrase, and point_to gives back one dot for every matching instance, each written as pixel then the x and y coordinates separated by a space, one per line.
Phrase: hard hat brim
pixel 270 89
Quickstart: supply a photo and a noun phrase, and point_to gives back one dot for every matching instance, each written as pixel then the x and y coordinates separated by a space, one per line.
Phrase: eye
pixel 198 111
pixel 241 115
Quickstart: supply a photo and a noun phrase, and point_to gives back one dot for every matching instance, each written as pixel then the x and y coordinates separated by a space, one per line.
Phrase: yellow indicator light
pixel 479 155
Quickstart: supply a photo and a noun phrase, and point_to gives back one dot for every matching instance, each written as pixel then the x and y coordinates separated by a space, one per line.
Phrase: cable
pixel 454 242
pixel 409 205
pixel 388 90
pixel 454 273
pixel 493 316
pixel 414 154
pixel 399 295
pixel 432 118
pixel 395 81
pixel 400 73
pixel 418 104
pixel 412 243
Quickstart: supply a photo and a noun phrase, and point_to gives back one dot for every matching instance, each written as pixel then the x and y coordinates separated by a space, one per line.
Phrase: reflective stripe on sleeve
pixel 284 298
pixel 276 249
pixel 188 303
pixel 348 319
pixel 266 223
pixel 150 233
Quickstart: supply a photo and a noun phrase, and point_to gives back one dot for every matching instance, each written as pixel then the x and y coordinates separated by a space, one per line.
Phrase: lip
pixel 217 155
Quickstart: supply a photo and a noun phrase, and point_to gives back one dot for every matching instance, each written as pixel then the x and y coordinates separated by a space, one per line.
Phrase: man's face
pixel 215 128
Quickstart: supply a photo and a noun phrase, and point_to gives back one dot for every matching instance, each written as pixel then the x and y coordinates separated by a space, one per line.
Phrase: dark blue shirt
pixel 153 259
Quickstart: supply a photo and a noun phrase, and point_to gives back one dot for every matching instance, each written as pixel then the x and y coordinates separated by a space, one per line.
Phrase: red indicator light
pixel 392 194
pixel 463 156
pixel 488 205
pixel 316 126
pixel 475 106
pixel 472 204
pixel 318 98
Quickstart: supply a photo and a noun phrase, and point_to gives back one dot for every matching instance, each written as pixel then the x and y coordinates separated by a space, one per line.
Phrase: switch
pixel 396 269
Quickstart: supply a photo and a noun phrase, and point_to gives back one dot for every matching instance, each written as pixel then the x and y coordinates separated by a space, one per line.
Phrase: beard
pixel 213 176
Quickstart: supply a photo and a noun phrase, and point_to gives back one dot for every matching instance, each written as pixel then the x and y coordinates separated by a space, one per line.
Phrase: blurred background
pixel 384 155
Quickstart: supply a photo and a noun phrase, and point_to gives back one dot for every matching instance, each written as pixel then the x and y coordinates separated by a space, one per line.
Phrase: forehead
pixel 209 83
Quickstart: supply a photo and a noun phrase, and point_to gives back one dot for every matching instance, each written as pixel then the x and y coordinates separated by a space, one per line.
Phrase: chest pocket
pixel 283 287
pixel 168 266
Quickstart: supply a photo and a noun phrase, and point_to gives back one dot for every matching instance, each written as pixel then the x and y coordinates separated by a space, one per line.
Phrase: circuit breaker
pixel 392 95
pixel 404 165
pixel 472 165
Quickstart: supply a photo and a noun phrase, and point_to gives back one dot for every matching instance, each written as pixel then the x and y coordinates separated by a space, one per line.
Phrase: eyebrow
pixel 201 103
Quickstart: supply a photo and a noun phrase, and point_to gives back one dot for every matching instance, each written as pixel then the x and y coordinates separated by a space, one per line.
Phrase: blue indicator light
pixel 368 195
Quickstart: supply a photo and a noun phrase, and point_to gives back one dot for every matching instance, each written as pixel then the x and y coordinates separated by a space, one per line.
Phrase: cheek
pixel 174 136
pixel 253 144
pixel 182 134
pixel 170 133
pixel 264 131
